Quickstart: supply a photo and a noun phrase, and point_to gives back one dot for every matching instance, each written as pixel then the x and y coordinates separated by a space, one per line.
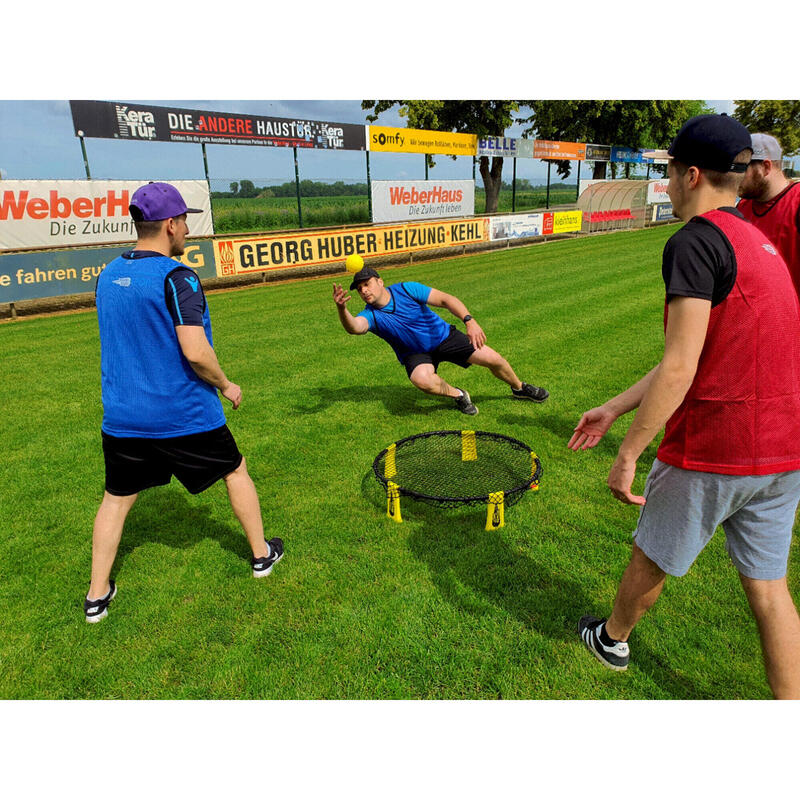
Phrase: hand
pixel 620 480
pixel 593 425
pixel 340 297
pixel 233 393
pixel 476 335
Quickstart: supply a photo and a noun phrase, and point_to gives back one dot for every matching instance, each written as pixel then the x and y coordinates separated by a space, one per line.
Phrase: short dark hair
pixel 147 230
pixel 727 181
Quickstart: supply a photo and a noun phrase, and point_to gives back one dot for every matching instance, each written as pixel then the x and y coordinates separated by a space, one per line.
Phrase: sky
pixel 37 141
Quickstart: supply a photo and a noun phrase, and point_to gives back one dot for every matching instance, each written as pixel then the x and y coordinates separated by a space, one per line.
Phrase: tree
pixel 247 188
pixel 629 123
pixel 779 118
pixel 480 117
pixel 234 187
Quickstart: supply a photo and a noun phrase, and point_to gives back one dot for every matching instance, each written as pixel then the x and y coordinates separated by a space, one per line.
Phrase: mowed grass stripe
pixel 360 607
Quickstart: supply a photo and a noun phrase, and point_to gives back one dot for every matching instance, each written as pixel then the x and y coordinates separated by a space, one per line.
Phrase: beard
pixel 753 187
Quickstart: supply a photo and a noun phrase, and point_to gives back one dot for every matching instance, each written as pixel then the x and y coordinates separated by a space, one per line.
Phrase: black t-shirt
pixel 699 261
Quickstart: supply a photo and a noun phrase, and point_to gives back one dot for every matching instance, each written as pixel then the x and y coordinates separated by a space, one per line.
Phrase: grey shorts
pixel 684 508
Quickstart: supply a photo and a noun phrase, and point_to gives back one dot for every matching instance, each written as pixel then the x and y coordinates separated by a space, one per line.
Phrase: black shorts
pixel 456 348
pixel 197 461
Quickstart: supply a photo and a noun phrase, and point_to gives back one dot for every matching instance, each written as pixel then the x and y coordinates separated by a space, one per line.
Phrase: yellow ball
pixel 354 263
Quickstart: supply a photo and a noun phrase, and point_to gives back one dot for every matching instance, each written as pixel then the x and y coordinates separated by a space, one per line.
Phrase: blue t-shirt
pixel 149 388
pixel 406 322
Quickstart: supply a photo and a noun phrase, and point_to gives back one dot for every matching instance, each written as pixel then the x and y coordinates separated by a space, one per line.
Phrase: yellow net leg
pixel 390 469
pixel 534 484
pixel 469 449
pixel 393 502
pixel 495 517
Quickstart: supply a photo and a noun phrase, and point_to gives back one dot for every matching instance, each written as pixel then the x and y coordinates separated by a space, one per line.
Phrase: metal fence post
pixel 547 200
pixel 514 186
pixel 369 188
pixel 85 158
pixel 208 183
pixel 297 184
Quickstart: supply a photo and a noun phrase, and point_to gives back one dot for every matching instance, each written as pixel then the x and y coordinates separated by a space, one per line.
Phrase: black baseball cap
pixel 363 275
pixel 711 141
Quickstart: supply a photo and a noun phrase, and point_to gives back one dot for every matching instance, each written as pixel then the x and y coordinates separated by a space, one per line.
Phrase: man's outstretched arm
pixel 458 309
pixel 354 325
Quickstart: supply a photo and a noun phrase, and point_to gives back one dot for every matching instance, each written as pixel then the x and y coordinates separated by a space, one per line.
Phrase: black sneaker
pixel 263 566
pixel 530 392
pixel 464 404
pixel 615 657
pixel 95 610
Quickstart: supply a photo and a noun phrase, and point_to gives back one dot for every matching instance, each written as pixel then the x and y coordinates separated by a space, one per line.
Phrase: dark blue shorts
pixel 197 461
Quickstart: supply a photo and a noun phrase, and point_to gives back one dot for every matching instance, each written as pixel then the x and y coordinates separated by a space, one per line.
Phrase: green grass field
pixel 360 607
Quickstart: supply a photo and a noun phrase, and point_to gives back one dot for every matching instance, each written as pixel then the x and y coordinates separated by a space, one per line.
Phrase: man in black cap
pixel 160 376
pixel 728 390
pixel 421 339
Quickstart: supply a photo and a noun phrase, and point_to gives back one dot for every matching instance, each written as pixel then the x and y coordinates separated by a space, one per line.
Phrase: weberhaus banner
pixel 413 201
pixel 62 213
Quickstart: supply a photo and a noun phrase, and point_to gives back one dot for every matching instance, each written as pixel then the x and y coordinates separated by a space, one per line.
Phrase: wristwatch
pixel 467 318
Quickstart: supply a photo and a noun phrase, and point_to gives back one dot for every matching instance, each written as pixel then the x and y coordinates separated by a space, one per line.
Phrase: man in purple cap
pixel 772 202
pixel 728 390
pixel 160 376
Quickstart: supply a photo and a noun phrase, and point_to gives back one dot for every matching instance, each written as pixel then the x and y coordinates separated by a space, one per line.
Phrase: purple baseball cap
pixel 157 201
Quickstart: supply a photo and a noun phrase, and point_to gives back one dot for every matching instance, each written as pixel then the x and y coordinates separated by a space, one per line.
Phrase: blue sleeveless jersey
pixel 149 389
pixel 406 322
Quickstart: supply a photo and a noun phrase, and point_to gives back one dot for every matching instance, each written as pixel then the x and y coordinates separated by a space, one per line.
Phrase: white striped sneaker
pixel 263 566
pixel 615 657
pixel 95 610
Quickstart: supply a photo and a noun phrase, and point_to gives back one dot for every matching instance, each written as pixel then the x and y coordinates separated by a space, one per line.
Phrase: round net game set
pixel 458 468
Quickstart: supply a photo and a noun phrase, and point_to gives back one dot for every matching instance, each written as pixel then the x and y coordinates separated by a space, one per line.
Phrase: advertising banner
pixel 570 151
pixel 663 211
pixel 567 221
pixel 141 123
pixel 598 152
pixel 410 201
pixel 29 276
pixel 657 192
pixel 626 154
pixel 263 253
pixel 63 213
pixel 585 184
pixel 496 146
pixel 518 226
pixel 410 140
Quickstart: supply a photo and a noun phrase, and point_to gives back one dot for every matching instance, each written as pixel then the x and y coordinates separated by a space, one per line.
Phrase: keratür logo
pixel 136 124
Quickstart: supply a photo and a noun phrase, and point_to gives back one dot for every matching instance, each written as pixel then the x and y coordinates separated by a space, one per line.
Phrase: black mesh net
pixel 432 467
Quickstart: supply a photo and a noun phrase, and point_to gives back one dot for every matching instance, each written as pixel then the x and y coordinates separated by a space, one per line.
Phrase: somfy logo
pixel 122 282
pixel 770 249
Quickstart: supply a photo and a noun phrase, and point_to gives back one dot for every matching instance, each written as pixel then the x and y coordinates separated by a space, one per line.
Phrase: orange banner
pixel 570 151
pixel 241 255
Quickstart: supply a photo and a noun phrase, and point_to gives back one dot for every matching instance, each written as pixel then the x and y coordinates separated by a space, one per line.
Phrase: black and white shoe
pixel 616 656
pixel 263 566
pixel 530 392
pixel 464 404
pixel 95 610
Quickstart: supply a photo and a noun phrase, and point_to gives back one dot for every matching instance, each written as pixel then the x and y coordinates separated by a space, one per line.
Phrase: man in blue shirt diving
pixel 421 339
